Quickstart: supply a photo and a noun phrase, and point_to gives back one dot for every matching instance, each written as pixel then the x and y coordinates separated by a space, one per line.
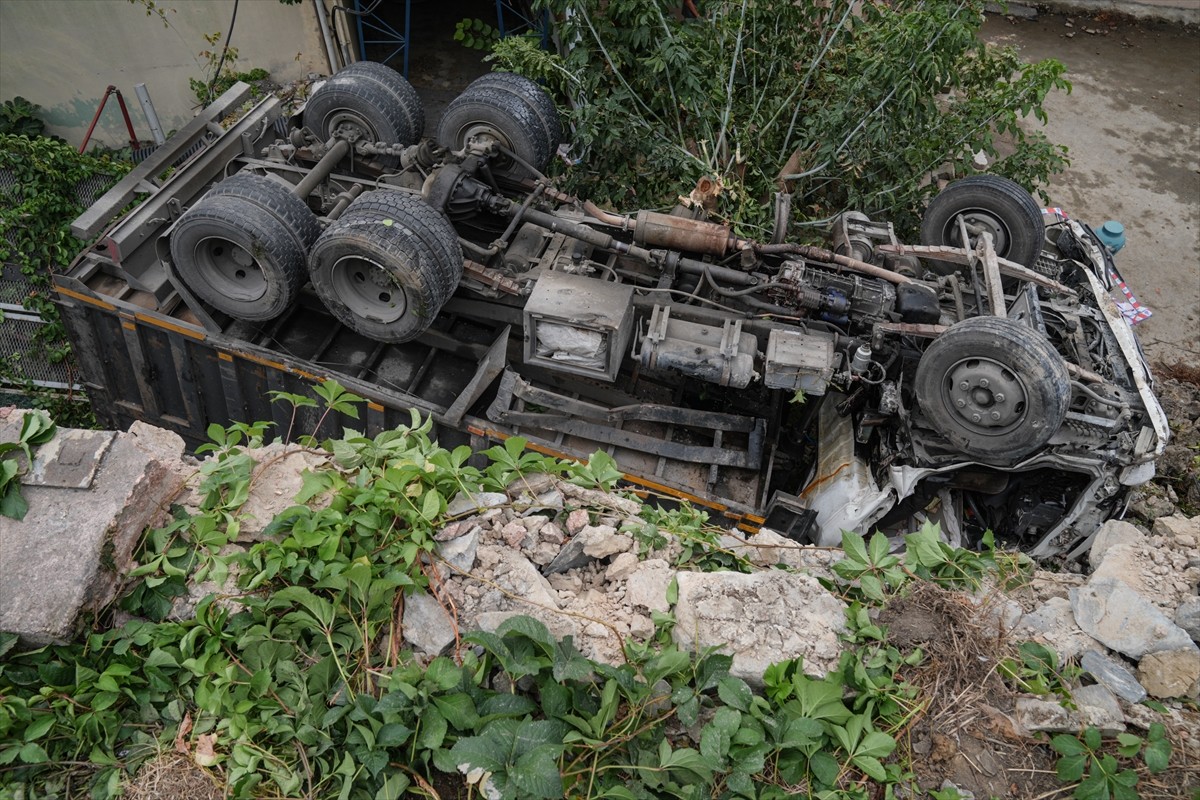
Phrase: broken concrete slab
pixel 69 460
pixel 66 557
pixel 1122 620
pixel 760 619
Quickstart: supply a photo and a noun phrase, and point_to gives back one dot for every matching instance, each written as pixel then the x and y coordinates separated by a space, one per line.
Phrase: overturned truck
pixel 983 379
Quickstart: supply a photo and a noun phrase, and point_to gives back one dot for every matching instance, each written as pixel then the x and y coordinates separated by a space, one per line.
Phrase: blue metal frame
pixel 374 23
pixel 541 23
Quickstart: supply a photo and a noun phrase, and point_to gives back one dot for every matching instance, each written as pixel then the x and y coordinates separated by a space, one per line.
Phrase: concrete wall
pixel 61 54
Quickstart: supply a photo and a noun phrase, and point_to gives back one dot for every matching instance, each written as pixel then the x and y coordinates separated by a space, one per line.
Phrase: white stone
pixel 621 567
pixel 1113 532
pixel 1122 620
pixel 760 619
pixel 646 586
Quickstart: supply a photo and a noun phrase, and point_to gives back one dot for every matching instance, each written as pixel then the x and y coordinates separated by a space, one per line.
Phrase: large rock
pixel 1122 620
pixel 760 619
pixel 768 548
pixel 1114 675
pixel 1179 527
pixel 278 478
pixel 459 551
pixel 1053 624
pixel 95 495
pixel 592 542
pixel 1187 616
pixel 427 625
pixel 1171 673
pixel 1113 532
pixel 646 586
pixel 524 588
pixel 1099 709
pixel 1034 714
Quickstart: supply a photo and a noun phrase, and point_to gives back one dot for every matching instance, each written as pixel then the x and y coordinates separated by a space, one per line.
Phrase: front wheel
pixel 988 204
pixel 994 388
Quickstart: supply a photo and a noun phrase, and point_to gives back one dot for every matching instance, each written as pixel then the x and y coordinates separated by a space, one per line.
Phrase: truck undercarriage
pixel 984 379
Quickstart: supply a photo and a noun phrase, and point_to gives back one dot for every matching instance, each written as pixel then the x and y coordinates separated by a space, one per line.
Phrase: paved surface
pixel 1132 123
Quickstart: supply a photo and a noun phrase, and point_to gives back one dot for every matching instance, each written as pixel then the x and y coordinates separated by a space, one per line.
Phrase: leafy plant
pixel 1099 775
pixel 36 210
pixel 1037 670
pixel 220 71
pixel 37 428
pixel 476 34
pixel 842 105
pixel 19 117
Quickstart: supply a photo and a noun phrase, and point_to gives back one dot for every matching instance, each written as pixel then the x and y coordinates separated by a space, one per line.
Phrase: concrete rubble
pixel 91 494
pixel 574 559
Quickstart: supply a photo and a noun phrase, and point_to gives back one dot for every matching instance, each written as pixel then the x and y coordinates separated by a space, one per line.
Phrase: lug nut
pixel 995 415
pixel 960 403
pixel 976 418
pixel 998 397
pixel 983 382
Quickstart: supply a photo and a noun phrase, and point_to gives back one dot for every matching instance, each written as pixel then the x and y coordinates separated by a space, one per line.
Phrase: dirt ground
pixel 1132 123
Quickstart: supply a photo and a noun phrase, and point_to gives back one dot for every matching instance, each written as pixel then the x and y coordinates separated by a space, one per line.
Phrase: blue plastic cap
pixel 1112 233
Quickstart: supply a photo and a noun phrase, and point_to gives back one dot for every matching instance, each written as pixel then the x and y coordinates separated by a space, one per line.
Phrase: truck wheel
pixel 387 266
pixel 436 231
pixel 996 389
pixel 242 247
pixel 489 113
pixel 365 104
pixel 997 205
pixel 534 96
pixel 394 82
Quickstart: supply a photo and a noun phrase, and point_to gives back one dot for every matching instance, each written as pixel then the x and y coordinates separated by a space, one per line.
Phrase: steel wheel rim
pixel 979 217
pixel 484 131
pixel 367 289
pixel 985 396
pixel 349 125
pixel 230 269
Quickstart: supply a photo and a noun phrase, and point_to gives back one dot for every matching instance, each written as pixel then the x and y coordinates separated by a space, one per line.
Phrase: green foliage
pixel 874 572
pixel 699 541
pixel 36 211
pixel 1036 670
pixel 475 34
pixel 37 428
pixel 295 664
pixel 212 85
pixel 1100 775
pixel 843 105
pixel 19 117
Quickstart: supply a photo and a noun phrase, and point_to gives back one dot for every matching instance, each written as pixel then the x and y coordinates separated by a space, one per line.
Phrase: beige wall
pixel 61 54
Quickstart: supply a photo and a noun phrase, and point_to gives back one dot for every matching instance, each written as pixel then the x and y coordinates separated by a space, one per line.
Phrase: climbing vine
pixel 42 183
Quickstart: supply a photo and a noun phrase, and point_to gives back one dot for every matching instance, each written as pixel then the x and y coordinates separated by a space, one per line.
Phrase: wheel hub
pixel 987 396
pixel 368 290
pixel 978 222
pixel 230 269
pixel 347 125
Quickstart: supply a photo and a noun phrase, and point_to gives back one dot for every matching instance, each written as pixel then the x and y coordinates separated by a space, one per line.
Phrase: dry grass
pixel 962 647
pixel 175 776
